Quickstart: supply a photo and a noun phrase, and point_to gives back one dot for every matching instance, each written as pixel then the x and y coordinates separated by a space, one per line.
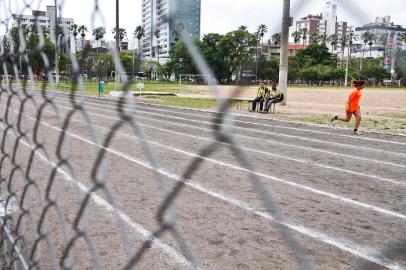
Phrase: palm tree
pixel 82 29
pixel 343 41
pixel 139 33
pixel 297 35
pixel 370 43
pixel 157 35
pixel 262 29
pixel 403 37
pixel 366 38
pixel 304 32
pixel 323 38
pixel 122 33
pixel 74 30
pixel 98 34
pixel 333 39
pixel 276 38
pixel 178 31
pixel 314 37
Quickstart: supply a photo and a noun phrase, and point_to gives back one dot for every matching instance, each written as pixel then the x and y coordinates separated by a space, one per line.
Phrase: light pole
pixel 133 57
pixel 350 36
pixel 56 45
pixel 284 61
pixel 117 81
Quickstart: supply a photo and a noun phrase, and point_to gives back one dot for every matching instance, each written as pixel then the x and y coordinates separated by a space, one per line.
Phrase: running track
pixel 343 196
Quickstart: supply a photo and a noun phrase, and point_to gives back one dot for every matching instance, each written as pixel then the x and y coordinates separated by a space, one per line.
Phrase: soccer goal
pixel 194 79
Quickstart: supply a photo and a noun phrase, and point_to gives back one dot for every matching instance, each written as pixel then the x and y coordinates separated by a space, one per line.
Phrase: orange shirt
pixel 353 101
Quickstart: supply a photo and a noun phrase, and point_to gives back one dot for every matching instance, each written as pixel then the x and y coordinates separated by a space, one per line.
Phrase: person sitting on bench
pixel 274 97
pixel 262 91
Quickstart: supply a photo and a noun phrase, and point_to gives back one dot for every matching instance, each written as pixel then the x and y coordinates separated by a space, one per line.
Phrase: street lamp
pixel 117 75
pixel 56 45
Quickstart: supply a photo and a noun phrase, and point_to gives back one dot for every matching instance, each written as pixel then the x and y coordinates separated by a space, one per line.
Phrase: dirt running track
pixel 342 196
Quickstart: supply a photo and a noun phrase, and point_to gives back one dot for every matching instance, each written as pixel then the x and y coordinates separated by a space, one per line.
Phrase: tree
pixel 139 33
pixel 276 39
pixel 314 37
pixel 82 29
pixel 403 37
pixel 157 36
pixel 181 62
pixel 323 38
pixel 297 35
pixel 333 39
pixel 313 55
pixel 122 33
pixel 343 41
pixel 98 34
pixel 304 32
pixel 371 42
pixel 215 55
pixel 74 30
pixel 236 44
pixel 262 29
pixel 178 31
pixel 366 37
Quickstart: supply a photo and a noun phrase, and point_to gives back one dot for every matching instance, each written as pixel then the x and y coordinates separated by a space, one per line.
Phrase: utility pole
pixel 117 81
pixel 283 69
pixel 133 56
pixel 348 58
pixel 56 45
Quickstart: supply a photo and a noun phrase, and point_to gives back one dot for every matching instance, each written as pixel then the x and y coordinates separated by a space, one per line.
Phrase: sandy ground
pixel 383 110
pixel 342 196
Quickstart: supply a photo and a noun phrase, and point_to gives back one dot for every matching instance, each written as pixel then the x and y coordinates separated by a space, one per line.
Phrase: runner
pixel 352 106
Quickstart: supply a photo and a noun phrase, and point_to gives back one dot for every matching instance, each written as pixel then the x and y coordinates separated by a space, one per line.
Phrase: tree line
pixel 234 57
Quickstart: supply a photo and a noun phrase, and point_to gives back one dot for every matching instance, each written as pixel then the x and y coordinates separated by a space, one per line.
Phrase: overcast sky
pixel 221 16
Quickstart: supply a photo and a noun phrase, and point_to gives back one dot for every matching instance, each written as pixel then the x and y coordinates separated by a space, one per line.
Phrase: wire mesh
pixel 29 204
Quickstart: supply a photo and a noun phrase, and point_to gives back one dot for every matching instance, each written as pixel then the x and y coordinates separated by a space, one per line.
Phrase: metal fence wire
pixel 30 203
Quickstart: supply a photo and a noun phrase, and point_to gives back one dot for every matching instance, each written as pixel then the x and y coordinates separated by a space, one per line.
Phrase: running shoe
pixel 334 118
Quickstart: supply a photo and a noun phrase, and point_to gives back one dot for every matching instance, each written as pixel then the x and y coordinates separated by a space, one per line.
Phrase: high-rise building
pixel 46 20
pixel 159 38
pixel 311 23
pixel 328 23
pixel 325 24
pixel 386 40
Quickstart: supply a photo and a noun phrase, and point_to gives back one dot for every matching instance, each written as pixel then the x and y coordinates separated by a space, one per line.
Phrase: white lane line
pixel 268 141
pixel 280 180
pixel 143 233
pixel 261 118
pixel 345 246
pixel 17 250
pixel 268 125
pixel 275 179
pixel 350 146
pixel 302 161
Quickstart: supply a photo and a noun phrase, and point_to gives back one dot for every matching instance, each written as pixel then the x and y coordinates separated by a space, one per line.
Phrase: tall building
pixel 328 22
pixel 325 24
pixel 46 20
pixel 311 23
pixel 184 14
pixel 387 40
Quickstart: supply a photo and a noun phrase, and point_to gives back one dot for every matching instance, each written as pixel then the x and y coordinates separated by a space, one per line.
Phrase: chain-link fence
pixel 40 228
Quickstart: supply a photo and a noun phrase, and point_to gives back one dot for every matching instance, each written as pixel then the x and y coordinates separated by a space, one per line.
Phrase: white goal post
pixel 194 79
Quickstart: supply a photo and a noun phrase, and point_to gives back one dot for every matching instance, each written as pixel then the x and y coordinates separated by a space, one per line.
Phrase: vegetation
pixel 233 57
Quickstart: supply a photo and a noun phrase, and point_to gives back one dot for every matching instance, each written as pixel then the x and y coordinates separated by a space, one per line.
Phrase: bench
pixel 240 102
